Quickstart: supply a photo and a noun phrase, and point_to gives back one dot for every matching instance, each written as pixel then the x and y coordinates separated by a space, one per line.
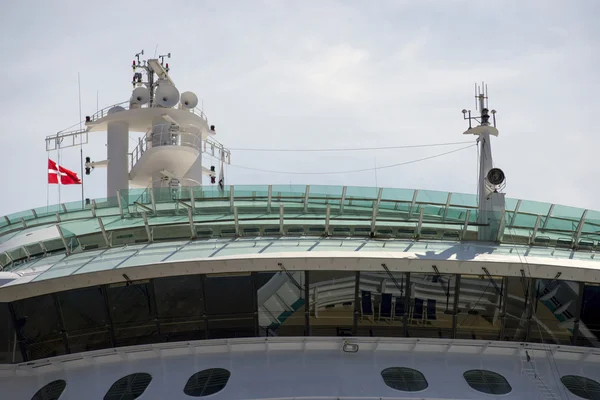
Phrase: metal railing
pixel 164 135
pixel 126 105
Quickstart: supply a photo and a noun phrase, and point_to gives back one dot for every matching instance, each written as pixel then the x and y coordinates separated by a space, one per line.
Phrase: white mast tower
pixel 491 203
pixel 175 134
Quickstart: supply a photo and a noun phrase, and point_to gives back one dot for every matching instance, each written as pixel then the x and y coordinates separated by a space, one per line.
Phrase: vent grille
pixel 582 387
pixel 51 391
pixel 487 382
pixel 129 387
pixel 404 379
pixel 207 382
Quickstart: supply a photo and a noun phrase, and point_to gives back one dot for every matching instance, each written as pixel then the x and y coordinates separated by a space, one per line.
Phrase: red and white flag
pixel 60 175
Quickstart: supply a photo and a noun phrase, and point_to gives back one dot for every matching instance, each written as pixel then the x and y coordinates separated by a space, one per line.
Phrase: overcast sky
pixel 319 74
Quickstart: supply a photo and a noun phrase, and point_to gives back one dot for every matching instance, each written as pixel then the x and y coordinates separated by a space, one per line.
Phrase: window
pixel 487 382
pixel 405 379
pixel 129 387
pixel 582 387
pixel 207 382
pixel 51 391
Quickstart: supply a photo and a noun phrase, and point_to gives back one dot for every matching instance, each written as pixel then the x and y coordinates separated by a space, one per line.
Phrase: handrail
pixel 164 135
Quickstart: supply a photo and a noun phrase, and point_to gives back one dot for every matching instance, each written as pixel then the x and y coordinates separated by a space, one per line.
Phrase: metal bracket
pixel 343 199
pixel 306 195
pixel 270 195
pixel 104 235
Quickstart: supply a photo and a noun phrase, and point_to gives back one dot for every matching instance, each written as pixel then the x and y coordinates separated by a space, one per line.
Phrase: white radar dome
pixel 166 95
pixel 140 96
pixel 189 100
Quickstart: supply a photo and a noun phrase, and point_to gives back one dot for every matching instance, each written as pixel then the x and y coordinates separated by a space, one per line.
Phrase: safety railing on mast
pixel 164 135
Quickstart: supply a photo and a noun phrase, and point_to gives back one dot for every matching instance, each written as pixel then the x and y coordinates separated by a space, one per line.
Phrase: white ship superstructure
pixel 179 286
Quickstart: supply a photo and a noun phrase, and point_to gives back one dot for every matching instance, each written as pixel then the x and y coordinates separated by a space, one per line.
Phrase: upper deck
pixel 301 260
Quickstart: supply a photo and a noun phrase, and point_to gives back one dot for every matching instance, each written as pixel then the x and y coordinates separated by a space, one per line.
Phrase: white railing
pixel 165 135
pixel 126 105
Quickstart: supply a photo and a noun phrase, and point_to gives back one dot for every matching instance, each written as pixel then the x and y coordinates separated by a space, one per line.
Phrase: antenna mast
pixel 491 203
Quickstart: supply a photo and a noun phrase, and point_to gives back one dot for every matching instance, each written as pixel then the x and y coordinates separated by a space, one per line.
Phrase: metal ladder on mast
pixel 528 367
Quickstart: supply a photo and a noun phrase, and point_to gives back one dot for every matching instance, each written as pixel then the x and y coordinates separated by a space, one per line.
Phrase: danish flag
pixel 60 175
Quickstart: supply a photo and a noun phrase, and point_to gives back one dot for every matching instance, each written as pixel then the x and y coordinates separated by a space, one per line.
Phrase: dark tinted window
pixel 180 304
pixel 207 382
pixel 37 321
pixel 85 319
pixel 227 295
pixel 583 387
pixel 230 306
pixel 487 382
pixel 51 391
pixel 8 352
pixel 404 379
pixel 129 387
pixel 132 313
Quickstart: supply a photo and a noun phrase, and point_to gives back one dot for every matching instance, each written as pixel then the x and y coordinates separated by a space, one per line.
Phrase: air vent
pixel 129 387
pixel 51 391
pixel 487 382
pixel 207 382
pixel 404 379
pixel 583 387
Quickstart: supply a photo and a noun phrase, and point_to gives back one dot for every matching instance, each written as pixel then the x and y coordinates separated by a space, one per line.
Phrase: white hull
pixel 308 368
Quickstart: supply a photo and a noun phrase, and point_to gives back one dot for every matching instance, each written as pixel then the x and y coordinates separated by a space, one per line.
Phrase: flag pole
pixel 80 142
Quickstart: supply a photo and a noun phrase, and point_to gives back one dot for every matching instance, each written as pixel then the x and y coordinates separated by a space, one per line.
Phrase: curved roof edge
pixel 516 264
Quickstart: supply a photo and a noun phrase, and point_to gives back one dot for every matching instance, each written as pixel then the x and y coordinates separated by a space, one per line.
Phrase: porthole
pixel 487 382
pixel 583 387
pixel 207 382
pixel 129 387
pixel 51 391
pixel 404 379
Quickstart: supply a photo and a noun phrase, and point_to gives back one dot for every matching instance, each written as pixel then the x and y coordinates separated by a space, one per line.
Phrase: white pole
pixel 80 142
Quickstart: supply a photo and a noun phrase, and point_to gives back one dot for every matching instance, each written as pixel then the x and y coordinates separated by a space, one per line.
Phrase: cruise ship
pixel 179 285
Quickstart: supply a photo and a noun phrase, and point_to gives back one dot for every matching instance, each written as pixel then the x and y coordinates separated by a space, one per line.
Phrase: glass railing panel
pixel 15 218
pixel 251 192
pixel 567 212
pixel 565 226
pixel 294 193
pixel 76 214
pixel 80 227
pixel 524 220
pixel 534 207
pixel 214 192
pixel 403 195
pixel 75 205
pixel 48 210
pixel 464 200
pixel 432 197
pixel 510 204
